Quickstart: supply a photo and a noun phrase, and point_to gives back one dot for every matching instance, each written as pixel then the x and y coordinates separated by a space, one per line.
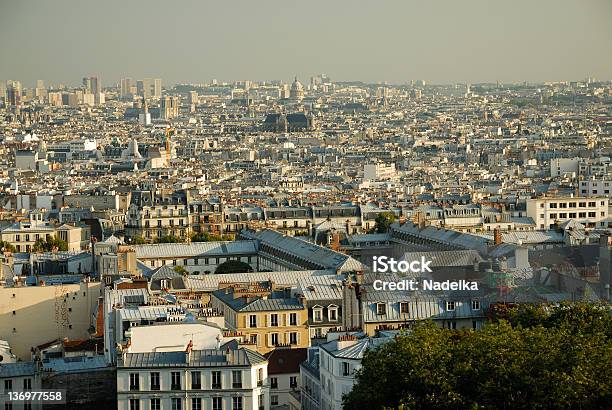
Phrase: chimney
pixel 188 350
pixel 497 236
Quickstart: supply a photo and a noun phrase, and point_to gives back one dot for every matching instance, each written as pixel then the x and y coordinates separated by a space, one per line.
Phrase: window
pixel 475 304
pixel 259 376
pixel 450 305
pixel 177 403
pixel 591 214
pixel 155 404
pixel 292 319
pixel 273 383
pixel 332 313
pixel 196 403
pixel 253 339
pixel 217 403
pixel 155 381
pixel 553 205
pixel 572 204
pixel 134 381
pixel 381 309
pixel 260 401
pixel 216 379
pixel 237 403
pixel 253 321
pixel 582 204
pixel 196 382
pixel 293 382
pixel 592 204
pixel 274 400
pixel 553 216
pixel 346 368
pixel 274 319
pixel 563 215
pixel 274 339
pixel 293 338
pixel 8 385
pixel 317 315
pixel 175 381
pixel 134 404
pixel 403 307
pixel 236 379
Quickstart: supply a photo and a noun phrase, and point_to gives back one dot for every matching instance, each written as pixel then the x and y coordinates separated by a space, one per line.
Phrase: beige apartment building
pixel 266 318
pixel 33 315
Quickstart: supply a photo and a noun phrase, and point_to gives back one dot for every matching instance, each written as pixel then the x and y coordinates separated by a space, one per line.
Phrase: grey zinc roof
pixel 321 287
pixel 257 304
pixel 170 250
pixel 198 358
pixel 446 258
pixel 324 257
pixel 17 369
pixel 288 278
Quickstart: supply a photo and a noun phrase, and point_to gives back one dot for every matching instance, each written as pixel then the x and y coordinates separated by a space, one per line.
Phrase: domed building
pixel 297 91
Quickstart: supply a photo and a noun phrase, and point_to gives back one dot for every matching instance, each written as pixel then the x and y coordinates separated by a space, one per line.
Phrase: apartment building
pixel 547 213
pixel 265 316
pixel 215 379
pixel 154 214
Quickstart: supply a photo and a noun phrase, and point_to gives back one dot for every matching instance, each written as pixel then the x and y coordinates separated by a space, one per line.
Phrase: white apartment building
pixel 561 166
pixel 210 379
pixel 592 212
pixel 338 361
pixel 596 187
pixel 378 172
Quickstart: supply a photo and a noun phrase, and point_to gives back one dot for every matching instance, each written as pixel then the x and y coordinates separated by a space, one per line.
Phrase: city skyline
pixel 442 43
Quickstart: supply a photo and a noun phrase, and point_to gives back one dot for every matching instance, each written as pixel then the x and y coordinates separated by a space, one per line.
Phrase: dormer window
pixel 381 309
pixel 317 314
pixel 332 313
pixel 450 305
pixel 164 283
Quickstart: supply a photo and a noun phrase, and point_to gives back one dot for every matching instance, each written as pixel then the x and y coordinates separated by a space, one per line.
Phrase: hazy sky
pixel 441 41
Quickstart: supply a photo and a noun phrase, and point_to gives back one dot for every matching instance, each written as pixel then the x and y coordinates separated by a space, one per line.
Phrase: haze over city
pixel 394 41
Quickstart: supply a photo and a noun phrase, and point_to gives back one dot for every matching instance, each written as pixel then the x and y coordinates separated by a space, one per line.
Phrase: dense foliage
pixel 382 222
pixel 529 357
pixel 6 247
pixel 233 266
pixel 48 245
pixel 209 237
pixel 168 239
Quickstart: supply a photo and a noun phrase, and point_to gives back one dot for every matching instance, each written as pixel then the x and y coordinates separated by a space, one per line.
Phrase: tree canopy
pixel 168 239
pixel 382 222
pixel 6 247
pixel 47 245
pixel 233 266
pixel 209 237
pixel 537 358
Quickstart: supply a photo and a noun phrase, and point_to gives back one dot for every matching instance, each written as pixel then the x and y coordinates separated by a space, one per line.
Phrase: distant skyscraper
pixel 93 85
pixel 2 90
pixel 144 87
pixel 169 107
pixel 157 88
pixel 13 93
pixel 125 87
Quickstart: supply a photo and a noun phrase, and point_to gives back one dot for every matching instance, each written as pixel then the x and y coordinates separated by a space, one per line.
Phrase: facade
pixel 547 213
pixel 154 214
pixel 265 317
pixel 193 380
pixel 20 377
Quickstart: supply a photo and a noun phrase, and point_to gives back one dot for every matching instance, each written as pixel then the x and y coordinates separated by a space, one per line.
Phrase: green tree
pixel 6 247
pixel 233 266
pixel 209 237
pixel 559 360
pixel 382 222
pixel 138 240
pixel 48 244
pixel 181 270
pixel 168 239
